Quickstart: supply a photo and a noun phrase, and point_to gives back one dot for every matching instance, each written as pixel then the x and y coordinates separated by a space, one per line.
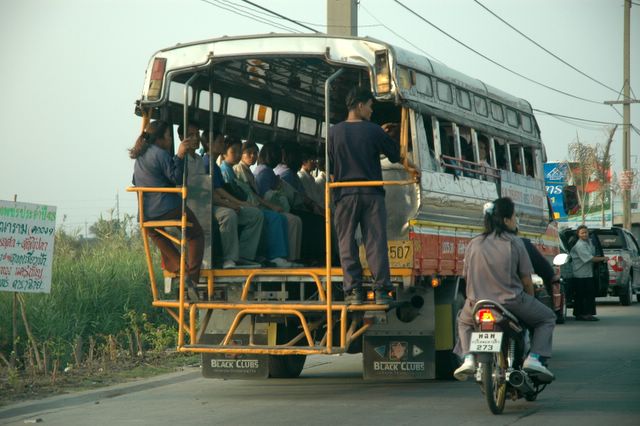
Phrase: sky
pixel 73 69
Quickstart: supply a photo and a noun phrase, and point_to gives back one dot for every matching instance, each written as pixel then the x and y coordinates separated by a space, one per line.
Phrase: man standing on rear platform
pixel 355 146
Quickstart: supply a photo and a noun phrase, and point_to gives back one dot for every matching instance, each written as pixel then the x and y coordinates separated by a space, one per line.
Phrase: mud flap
pixel 235 366
pixel 399 357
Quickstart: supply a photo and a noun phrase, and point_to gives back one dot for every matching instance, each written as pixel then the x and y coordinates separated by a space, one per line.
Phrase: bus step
pixel 260 350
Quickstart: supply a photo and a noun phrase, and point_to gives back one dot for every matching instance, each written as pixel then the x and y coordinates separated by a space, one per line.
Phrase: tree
pixel 603 170
pixel 585 156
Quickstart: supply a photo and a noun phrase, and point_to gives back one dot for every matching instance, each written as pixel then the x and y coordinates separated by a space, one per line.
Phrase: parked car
pixel 621 276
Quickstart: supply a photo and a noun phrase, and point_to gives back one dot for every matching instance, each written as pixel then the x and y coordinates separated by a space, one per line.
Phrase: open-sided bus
pixel 471 142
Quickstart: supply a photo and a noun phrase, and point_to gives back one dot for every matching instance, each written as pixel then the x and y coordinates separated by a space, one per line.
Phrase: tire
pixel 627 297
pixel 286 366
pixel 494 384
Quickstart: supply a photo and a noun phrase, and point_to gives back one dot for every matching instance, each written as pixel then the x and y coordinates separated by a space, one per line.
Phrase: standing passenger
pixel 154 167
pixel 355 146
pixel 583 283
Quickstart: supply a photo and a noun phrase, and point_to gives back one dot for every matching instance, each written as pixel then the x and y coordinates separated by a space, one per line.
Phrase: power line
pixel 493 61
pixel 553 114
pixel 265 21
pixel 305 22
pixel 398 35
pixel 281 16
pixel 543 48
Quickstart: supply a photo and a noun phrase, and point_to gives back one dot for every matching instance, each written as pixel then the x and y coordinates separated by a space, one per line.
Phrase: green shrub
pixel 96 285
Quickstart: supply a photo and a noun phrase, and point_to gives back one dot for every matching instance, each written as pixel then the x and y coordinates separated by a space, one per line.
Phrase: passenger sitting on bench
pixel 244 175
pixel 274 232
pixel 154 167
pixel 232 213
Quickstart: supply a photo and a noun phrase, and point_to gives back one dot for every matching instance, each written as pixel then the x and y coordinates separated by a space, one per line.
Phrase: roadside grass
pixel 97 322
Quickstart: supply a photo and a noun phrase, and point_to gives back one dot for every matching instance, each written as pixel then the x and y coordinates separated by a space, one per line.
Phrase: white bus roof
pixel 355 51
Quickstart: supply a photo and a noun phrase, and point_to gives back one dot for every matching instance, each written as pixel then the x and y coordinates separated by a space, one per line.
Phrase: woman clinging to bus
pixel 154 167
pixel 497 267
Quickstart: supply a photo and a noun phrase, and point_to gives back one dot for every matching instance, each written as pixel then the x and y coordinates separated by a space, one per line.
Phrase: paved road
pixel 598 383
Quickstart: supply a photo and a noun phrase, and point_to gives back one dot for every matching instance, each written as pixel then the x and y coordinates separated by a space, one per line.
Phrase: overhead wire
pixel 281 16
pixel 398 35
pixel 218 4
pixel 553 114
pixel 543 48
pixel 298 21
pixel 422 18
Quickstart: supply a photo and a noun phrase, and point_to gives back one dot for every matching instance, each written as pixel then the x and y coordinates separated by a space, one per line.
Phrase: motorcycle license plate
pixel 486 341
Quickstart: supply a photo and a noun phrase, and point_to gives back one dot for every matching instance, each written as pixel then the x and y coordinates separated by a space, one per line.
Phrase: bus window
pixel 444 92
pixel 464 99
pixel 501 154
pixel 516 159
pixel 527 124
pixel 428 130
pixel 529 162
pixel 307 126
pixel 512 118
pixel 237 107
pixel 496 112
pixel 423 84
pixel 484 150
pixel 176 93
pixel 466 145
pixel 203 101
pixel 286 120
pixel 481 105
pixel 262 114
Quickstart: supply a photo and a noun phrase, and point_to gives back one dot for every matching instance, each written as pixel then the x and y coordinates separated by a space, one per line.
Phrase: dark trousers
pixel 584 302
pixel 368 211
pixel 171 255
pixel 313 237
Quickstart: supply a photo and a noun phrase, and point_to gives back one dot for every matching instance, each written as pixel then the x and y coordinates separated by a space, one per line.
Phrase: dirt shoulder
pixel 16 386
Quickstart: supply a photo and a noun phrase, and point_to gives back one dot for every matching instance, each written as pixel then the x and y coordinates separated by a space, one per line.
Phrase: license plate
pixel 400 254
pixel 486 341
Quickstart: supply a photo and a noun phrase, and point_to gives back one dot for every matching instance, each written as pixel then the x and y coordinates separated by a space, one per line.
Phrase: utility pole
pixel 342 17
pixel 626 182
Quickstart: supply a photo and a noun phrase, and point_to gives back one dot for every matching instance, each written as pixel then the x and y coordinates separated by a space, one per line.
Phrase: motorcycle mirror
pixel 561 259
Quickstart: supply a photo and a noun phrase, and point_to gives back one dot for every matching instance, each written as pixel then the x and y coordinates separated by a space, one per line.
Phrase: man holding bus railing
pixel 355 146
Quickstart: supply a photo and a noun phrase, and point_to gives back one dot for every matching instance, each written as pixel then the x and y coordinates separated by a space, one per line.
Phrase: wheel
pixel 627 297
pixel 638 297
pixel 494 384
pixel 286 366
pixel 531 396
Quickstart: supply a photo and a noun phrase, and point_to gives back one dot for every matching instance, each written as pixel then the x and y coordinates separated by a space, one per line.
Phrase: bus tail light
pixel 383 73
pixel 157 76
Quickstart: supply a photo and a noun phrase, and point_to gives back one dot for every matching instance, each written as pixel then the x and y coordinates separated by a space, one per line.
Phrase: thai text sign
pixel 26 246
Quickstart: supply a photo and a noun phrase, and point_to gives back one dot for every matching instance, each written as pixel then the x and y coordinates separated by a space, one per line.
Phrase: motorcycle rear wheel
pixel 494 383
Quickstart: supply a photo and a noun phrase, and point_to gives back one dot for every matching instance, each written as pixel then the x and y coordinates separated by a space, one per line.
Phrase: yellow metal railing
pixel 348 332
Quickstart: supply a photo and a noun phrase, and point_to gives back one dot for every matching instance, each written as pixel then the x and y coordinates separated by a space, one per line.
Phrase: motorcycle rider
pixel 497 267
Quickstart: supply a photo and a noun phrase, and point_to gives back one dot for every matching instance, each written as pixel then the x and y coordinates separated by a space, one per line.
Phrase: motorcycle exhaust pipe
pixel 519 380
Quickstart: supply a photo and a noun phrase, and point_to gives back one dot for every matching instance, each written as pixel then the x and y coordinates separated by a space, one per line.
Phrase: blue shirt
pixel 156 169
pixel 218 180
pixel 354 155
pixel 266 179
pixel 228 174
pixel 287 175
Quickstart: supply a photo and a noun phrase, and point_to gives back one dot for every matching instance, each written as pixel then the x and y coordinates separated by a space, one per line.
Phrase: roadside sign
pixel 27 234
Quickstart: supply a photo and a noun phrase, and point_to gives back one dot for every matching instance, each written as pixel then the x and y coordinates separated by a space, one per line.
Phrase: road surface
pixel 597 366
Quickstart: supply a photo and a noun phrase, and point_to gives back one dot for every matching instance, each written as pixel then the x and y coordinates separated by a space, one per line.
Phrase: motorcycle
pixel 500 345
